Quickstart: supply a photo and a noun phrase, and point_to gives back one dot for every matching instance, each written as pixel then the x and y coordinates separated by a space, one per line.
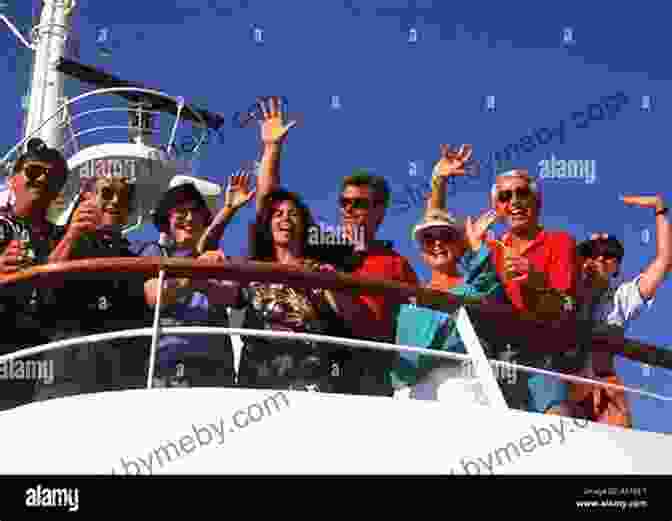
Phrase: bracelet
pixel 662 211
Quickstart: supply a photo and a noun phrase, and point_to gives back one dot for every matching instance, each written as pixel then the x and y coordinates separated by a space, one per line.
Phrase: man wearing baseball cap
pixel 613 306
pixel 27 238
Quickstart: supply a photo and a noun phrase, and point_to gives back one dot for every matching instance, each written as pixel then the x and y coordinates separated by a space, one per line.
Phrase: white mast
pixel 46 88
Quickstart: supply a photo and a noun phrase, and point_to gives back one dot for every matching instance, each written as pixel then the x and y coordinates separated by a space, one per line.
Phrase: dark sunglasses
pixel 594 251
pixel 358 203
pixel 444 235
pixel 33 172
pixel 108 193
pixel 506 195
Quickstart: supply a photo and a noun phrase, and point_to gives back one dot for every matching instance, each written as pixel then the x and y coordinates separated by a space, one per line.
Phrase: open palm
pixel 475 230
pixel 238 192
pixel 273 129
pixel 452 161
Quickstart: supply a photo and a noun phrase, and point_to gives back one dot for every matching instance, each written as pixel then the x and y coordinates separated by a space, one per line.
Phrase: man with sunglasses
pixel 364 200
pixel 613 307
pixel 97 304
pixel 27 238
pixel 538 268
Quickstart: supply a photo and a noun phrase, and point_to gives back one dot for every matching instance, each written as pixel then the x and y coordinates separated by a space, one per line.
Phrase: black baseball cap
pixel 610 247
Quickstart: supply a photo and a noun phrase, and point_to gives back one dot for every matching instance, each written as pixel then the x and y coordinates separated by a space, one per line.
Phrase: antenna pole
pixel 46 89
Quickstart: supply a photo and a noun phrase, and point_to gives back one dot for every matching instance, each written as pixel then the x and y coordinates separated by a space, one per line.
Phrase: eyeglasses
pixel 357 203
pixel 181 213
pixel 506 195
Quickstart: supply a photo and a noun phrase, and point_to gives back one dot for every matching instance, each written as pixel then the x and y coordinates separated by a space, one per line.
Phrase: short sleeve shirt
pixel 381 262
pixel 551 252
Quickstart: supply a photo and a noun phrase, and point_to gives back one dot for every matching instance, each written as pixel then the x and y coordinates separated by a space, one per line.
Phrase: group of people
pixel 532 269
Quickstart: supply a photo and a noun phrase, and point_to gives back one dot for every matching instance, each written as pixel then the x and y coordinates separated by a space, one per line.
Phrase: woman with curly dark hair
pixel 282 235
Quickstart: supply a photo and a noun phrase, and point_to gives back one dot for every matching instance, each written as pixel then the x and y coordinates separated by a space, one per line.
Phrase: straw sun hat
pixel 437 219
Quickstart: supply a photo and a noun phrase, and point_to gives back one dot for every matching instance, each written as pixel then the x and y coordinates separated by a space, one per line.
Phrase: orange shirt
pixel 383 263
pixel 552 253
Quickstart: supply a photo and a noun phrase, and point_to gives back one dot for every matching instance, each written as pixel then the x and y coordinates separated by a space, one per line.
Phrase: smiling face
pixel 516 202
pixel 37 183
pixel 113 198
pixel 361 210
pixel 442 247
pixel 286 224
pixel 187 221
pixel 596 271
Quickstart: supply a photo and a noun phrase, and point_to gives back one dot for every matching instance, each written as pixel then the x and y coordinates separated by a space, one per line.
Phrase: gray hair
pixel 531 182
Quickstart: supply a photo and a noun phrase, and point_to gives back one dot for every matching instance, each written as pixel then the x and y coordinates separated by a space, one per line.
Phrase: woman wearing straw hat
pixel 446 244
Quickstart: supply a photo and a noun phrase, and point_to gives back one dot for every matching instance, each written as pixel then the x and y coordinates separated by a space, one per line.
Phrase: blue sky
pixel 400 100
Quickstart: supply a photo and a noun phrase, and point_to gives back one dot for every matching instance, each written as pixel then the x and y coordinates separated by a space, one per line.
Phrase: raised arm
pixel 273 134
pixel 450 165
pixel 655 273
pixel 237 195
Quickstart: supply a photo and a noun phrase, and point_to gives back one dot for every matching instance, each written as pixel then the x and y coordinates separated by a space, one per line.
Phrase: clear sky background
pixel 399 101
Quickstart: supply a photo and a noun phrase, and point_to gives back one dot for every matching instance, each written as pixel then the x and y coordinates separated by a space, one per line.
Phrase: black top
pixel 103 302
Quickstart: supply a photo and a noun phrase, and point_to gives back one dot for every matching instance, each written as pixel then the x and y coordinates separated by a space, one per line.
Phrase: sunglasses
pixel 33 172
pixel 506 195
pixel 107 193
pixel 444 235
pixel 357 203
pixel 590 251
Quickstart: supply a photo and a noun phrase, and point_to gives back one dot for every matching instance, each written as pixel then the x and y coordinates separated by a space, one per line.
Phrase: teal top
pixel 430 329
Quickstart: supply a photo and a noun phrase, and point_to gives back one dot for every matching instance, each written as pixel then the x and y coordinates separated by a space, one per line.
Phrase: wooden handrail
pixel 493 321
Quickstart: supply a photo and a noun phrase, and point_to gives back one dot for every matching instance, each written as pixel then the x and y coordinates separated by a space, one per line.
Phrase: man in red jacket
pixel 539 271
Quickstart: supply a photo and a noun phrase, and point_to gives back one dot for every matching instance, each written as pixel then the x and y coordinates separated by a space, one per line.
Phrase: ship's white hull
pixel 177 431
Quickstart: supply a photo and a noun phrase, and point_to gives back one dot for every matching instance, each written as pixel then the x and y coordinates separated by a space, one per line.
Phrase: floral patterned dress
pixel 289 364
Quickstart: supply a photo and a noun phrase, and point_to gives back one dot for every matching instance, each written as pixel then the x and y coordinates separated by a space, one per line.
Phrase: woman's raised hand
pixel 238 192
pixel 273 128
pixel 452 161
